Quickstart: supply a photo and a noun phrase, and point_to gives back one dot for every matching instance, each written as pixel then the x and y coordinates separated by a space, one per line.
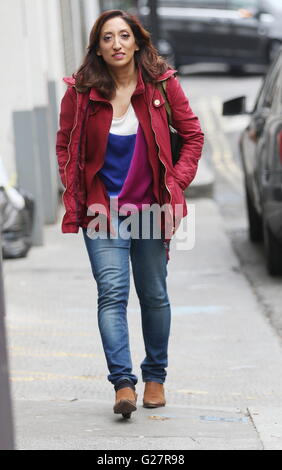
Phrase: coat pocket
pixel 178 194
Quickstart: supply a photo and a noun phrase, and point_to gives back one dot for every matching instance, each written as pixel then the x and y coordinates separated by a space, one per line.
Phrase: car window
pixel 271 91
pixel 274 92
pixel 269 87
pixel 219 4
pixel 244 4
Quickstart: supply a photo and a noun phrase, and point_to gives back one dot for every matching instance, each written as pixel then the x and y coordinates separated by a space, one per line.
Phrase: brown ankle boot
pixel 125 402
pixel 153 395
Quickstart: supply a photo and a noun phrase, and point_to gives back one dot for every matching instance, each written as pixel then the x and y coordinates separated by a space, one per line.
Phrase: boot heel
pixel 125 402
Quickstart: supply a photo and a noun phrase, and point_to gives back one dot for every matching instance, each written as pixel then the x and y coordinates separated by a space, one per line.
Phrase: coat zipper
pixel 73 129
pixel 159 152
pixel 166 242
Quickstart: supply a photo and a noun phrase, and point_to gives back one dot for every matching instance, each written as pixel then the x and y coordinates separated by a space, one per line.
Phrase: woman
pixel 113 149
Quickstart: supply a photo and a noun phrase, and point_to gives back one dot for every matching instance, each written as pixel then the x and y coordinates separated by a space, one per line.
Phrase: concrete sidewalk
pixel 224 384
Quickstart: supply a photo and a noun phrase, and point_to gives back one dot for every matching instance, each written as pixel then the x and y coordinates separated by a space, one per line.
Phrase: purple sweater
pixel 127 173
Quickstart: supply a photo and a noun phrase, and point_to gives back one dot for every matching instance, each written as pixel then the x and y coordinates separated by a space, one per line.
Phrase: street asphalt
pixel 224 382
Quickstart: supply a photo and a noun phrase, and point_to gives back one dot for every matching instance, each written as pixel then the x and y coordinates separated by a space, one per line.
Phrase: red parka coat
pixel 85 121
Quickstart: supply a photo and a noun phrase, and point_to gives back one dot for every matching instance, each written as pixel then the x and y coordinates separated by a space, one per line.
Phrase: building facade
pixel 41 41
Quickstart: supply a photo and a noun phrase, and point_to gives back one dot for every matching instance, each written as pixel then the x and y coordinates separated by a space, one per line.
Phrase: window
pixel 270 87
pixel 244 4
pixel 219 4
pixel 120 4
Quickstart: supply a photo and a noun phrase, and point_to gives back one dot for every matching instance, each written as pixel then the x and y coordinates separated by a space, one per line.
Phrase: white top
pixel 126 124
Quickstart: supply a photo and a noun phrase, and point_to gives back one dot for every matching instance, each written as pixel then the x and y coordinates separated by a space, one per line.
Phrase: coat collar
pixel 140 87
pixel 169 73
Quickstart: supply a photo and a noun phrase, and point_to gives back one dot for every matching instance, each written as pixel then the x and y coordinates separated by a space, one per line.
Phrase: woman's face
pixel 117 43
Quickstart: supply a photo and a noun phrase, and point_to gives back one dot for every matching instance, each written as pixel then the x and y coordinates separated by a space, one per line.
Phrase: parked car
pixel 261 153
pixel 235 32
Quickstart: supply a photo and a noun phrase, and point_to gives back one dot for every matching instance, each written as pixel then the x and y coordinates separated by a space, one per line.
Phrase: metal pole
pixel 154 21
pixel 6 420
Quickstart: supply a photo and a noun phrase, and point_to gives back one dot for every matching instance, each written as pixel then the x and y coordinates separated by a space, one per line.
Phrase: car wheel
pixel 273 50
pixel 255 220
pixel 273 252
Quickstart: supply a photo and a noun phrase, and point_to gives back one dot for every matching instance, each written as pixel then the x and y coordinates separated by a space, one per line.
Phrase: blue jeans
pixel 110 265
